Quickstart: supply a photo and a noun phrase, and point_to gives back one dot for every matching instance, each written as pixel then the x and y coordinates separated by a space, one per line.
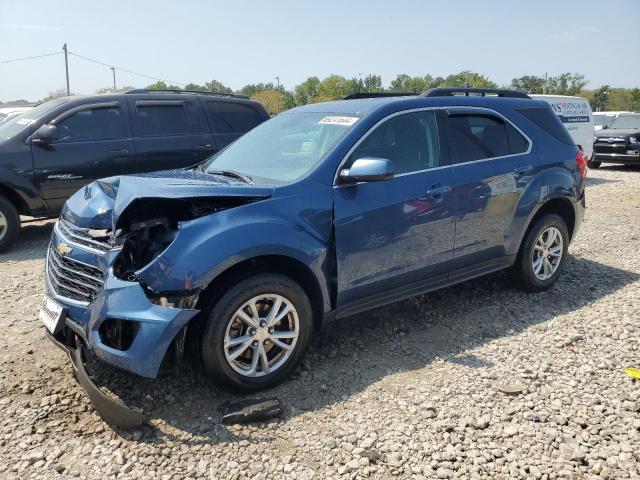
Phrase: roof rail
pixel 169 90
pixel 480 92
pixel 355 96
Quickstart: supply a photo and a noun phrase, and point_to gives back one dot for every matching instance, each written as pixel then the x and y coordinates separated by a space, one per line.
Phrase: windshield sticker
pixel 25 121
pixel 339 120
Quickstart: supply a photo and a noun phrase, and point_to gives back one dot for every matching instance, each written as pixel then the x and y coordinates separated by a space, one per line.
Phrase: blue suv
pixel 322 212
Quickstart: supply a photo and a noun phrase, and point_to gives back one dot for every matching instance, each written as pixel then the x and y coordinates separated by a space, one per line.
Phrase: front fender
pixel 25 189
pixel 206 247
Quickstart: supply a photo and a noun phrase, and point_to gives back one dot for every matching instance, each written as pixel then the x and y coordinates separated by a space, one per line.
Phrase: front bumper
pixel 616 157
pixel 119 300
pixel 111 410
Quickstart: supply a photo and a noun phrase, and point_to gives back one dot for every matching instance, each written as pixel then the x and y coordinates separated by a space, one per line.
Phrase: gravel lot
pixel 407 391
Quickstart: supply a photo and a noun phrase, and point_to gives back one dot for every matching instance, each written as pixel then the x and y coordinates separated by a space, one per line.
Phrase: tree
pixel 217 87
pixel 404 83
pixel 566 84
pixel 335 87
pixel 252 88
pixel 195 86
pixel 160 85
pixel 372 83
pixel 118 90
pixel 274 101
pixel 57 93
pixel 634 105
pixel 307 91
pixel 468 79
pixel 600 98
pixel 528 84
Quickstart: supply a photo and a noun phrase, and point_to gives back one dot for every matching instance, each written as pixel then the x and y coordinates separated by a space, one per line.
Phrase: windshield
pixel 285 148
pixel 626 121
pixel 603 119
pixel 15 124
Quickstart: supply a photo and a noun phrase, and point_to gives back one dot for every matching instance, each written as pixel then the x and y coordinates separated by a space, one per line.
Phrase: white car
pixel 603 119
pixel 575 114
pixel 10 112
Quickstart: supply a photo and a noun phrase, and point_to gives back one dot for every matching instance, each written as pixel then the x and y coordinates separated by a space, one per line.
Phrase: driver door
pixel 396 234
pixel 94 141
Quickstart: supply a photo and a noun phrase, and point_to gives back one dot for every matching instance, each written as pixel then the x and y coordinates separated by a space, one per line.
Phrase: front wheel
pixel 257 332
pixel 542 255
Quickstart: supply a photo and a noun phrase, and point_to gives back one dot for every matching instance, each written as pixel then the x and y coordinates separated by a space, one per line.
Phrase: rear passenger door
pixel 491 169
pixel 229 120
pixel 170 134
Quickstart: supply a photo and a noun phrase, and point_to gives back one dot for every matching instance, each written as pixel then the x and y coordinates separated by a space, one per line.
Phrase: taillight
pixel 581 162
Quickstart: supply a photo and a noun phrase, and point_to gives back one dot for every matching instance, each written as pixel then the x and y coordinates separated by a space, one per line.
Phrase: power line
pixel 30 58
pixel 123 69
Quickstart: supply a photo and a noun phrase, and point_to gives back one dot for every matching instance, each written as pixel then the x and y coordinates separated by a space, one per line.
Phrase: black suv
pixel 54 149
pixel 618 142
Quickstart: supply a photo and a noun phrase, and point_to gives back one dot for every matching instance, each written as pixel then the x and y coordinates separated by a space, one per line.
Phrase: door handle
pixel 523 170
pixel 118 153
pixel 437 190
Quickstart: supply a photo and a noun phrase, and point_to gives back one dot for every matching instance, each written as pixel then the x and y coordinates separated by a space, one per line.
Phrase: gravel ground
pixel 411 390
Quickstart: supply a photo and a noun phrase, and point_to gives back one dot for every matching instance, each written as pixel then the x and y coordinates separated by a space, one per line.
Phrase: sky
pixel 248 41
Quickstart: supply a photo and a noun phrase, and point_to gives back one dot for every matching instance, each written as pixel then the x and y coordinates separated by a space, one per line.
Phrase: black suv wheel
pixel 257 332
pixel 9 224
pixel 542 255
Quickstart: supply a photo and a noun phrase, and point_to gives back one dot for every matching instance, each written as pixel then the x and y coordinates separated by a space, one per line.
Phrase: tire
pixel 593 164
pixel 222 321
pixel 523 272
pixel 9 224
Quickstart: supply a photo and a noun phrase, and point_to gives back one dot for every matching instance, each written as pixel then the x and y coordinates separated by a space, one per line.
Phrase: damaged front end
pixel 110 236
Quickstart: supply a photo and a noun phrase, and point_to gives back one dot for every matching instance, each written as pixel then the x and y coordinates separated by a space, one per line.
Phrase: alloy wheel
pixel 547 253
pixel 261 335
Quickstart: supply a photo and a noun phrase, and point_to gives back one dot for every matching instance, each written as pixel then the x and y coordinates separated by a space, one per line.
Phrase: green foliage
pixel 195 86
pixel 468 79
pixel 566 84
pixel 600 98
pixel 160 85
pixel 216 87
pixel 118 90
pixel 307 91
pixel 404 83
pixel 528 84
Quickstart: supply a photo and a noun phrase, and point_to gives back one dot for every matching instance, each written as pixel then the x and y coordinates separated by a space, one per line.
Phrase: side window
pixel 410 141
pixel 167 118
pixel 517 143
pixel 98 123
pixel 476 137
pixel 232 117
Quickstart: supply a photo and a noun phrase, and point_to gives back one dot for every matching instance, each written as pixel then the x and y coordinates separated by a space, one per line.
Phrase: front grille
pixel 81 236
pixel 72 279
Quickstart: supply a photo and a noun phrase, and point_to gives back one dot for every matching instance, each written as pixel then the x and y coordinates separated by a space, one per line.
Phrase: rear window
pixel 549 122
pixel 232 117
pixel 167 118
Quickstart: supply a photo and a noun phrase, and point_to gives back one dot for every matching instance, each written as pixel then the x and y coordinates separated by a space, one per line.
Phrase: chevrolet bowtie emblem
pixel 63 249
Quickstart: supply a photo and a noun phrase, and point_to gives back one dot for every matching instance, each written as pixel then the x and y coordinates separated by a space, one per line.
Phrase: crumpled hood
pixel 99 204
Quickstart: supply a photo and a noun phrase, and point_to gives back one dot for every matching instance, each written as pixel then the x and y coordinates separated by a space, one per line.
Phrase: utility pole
pixel 113 70
pixel 66 67
pixel 544 85
pixel 278 97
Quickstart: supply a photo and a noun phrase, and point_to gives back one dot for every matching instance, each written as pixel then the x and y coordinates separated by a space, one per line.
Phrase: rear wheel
pixel 257 332
pixel 9 224
pixel 593 164
pixel 542 255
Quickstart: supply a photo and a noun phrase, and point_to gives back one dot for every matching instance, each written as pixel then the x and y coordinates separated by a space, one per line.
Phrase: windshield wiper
pixel 232 174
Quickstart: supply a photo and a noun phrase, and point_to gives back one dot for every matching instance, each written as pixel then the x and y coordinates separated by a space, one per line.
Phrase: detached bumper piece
pixel 111 410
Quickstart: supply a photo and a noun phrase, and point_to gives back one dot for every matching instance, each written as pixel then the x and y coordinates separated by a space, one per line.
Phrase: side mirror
pixel 370 169
pixel 46 133
pixel 605 126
